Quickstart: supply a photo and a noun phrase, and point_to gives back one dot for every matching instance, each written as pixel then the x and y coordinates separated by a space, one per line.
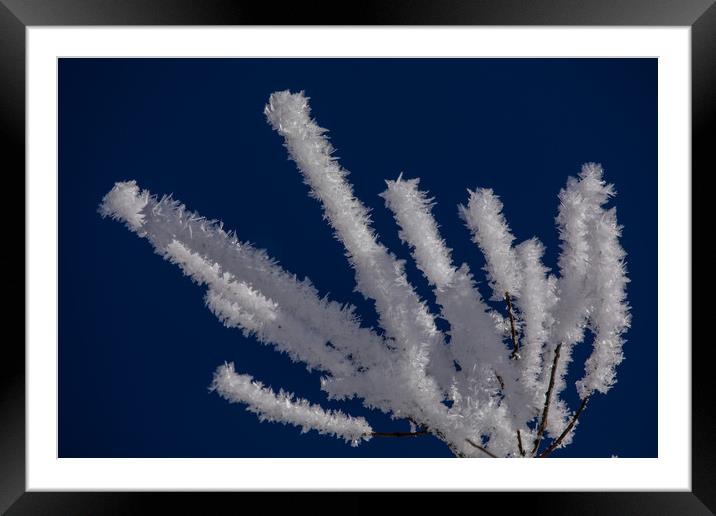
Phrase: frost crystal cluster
pixel 492 385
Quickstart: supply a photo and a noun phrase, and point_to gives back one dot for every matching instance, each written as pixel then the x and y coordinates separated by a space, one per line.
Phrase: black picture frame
pixel 17 15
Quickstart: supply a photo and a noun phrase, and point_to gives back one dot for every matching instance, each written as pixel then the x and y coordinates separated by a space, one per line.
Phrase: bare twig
pixel 566 431
pixel 426 431
pixel 501 381
pixel 481 449
pixel 548 398
pixel 440 435
pixel 398 434
pixel 513 332
pixel 519 442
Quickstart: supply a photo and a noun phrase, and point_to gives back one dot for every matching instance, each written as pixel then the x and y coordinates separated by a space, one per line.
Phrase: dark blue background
pixel 137 347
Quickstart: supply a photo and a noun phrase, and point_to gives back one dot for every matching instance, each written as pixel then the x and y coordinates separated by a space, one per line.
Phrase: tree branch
pixel 513 332
pixel 481 449
pixel 548 398
pixel 566 431
pixel 398 434
pixel 519 442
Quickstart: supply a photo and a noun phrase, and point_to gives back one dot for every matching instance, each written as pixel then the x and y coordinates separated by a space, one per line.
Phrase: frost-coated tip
pixel 125 202
pixel 593 170
pixel 286 110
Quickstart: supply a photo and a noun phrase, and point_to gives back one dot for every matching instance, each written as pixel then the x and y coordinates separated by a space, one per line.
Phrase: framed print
pixel 366 321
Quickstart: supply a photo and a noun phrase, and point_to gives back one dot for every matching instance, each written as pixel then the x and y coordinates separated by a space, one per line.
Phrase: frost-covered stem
pixel 566 431
pixel 285 408
pixel 547 399
pixel 170 227
pixel 609 316
pixel 475 343
pixel 403 315
pixel 483 216
pixel 235 294
pixel 482 449
pixel 519 443
pixel 580 204
pixel 536 307
pixel 513 333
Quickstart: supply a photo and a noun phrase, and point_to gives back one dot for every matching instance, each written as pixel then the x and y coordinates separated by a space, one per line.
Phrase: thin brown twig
pixel 548 397
pixel 513 332
pixel 501 381
pixel 426 430
pixel 481 449
pixel 564 434
pixel 441 435
pixel 519 442
pixel 398 434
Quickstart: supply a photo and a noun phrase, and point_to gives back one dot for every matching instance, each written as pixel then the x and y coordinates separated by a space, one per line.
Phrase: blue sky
pixel 137 346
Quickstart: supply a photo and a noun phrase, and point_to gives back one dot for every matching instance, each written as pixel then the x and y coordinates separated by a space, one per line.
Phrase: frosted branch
pixel 466 393
pixel 401 313
pixel 609 316
pixel 483 216
pixel 537 303
pixel 475 343
pixel 580 205
pixel 284 408
pixel 269 293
